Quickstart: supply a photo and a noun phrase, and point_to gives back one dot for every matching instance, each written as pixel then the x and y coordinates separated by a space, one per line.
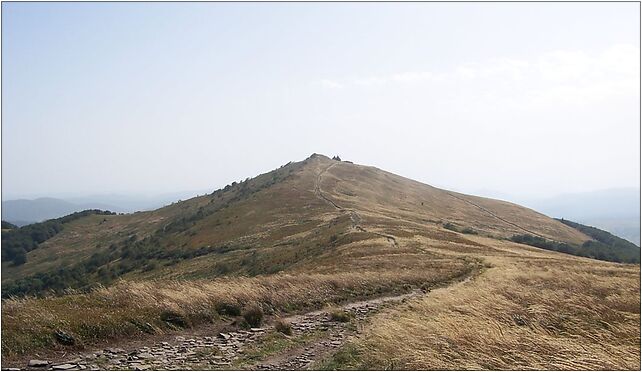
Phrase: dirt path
pixel 315 336
pixel 228 350
pixel 354 215
pixel 335 334
pixel 492 214
pixel 319 192
pixel 330 334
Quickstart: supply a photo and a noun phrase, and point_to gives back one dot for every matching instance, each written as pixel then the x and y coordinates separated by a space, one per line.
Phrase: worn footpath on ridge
pixel 327 218
pixel 314 335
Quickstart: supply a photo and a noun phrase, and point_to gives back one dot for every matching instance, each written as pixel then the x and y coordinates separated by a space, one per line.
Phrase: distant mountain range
pixel 614 210
pixel 23 212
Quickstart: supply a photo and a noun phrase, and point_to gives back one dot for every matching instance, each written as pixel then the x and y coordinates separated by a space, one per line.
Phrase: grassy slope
pixel 274 223
pixel 321 254
pixel 531 310
pixel 376 191
pixel 236 223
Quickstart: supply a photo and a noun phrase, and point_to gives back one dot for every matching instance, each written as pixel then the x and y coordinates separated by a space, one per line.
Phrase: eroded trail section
pixel 314 335
pixel 354 216
pixel 319 192
pixel 317 334
pixel 492 214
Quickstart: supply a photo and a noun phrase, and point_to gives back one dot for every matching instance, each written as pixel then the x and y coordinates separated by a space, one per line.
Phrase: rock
pixel 220 363
pixel 224 336
pixel 64 338
pixel 145 356
pixel 37 363
pixel 138 366
pixel 64 367
pixel 257 329
pixel 11 369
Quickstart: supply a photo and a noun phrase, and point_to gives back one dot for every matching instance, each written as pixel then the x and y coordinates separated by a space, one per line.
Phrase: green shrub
pixel 230 309
pixel 450 226
pixel 468 230
pixel 174 318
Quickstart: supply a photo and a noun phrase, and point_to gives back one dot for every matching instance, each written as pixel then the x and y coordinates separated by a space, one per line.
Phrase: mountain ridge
pixel 189 231
pixel 316 232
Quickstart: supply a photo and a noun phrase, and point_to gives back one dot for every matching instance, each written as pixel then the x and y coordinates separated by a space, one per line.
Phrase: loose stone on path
pixel 225 350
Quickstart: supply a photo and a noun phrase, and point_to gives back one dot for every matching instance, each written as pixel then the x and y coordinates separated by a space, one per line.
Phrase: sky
pixel 528 99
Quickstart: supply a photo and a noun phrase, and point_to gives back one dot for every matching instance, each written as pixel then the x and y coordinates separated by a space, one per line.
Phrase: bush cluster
pixel 605 247
pixel 282 326
pixel 253 316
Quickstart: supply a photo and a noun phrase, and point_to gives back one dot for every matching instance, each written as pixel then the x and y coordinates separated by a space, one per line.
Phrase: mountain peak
pixel 318 156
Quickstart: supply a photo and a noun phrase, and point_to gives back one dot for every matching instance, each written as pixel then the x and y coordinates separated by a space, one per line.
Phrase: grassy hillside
pixel 530 310
pixel 303 235
pixel 258 226
pixel 16 242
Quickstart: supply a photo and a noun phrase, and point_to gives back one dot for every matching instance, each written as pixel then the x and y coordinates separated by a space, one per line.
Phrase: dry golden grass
pixel 384 194
pixel 523 313
pixel 120 310
pixel 532 309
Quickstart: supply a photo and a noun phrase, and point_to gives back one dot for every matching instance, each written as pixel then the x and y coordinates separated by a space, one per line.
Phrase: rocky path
pixel 334 333
pixel 314 335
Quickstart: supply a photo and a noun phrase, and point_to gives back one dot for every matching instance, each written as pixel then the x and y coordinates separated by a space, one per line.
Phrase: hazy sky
pixel 524 99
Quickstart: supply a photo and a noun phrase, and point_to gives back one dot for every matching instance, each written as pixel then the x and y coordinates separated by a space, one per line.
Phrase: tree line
pixel 18 241
pixel 605 246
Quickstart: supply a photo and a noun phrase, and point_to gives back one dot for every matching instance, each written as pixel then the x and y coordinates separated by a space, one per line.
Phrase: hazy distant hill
pixel 26 211
pixel 34 210
pixel 614 210
pixel 136 202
